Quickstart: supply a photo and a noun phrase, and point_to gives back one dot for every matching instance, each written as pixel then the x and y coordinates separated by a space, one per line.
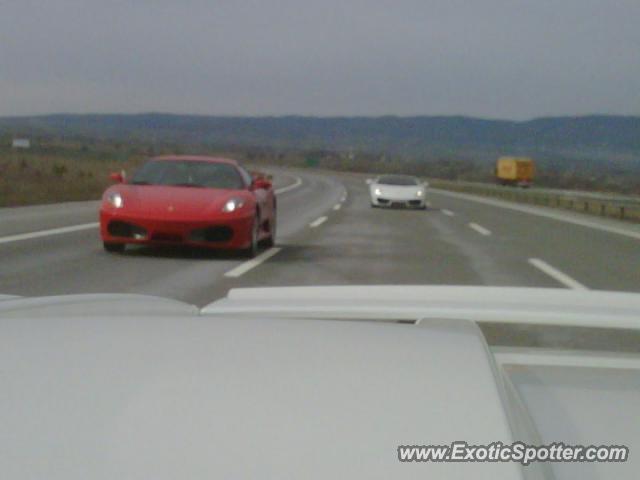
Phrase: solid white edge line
pixel 480 229
pixel 253 263
pixel 448 213
pixel 288 188
pixel 556 274
pixel 46 233
pixel 558 215
pixel 317 222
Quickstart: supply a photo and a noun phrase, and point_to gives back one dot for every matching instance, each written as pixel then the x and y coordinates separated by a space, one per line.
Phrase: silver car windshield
pixel 399 180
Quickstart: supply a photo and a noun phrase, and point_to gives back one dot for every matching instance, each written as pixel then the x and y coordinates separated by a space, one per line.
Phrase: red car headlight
pixel 115 200
pixel 232 205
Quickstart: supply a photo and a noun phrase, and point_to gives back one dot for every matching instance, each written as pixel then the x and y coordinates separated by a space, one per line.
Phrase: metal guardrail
pixel 605 205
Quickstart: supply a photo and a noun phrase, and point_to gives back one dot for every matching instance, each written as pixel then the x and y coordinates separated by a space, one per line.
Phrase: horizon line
pixel 311 116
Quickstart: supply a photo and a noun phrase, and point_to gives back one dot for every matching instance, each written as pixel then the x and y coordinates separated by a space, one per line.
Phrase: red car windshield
pixel 188 173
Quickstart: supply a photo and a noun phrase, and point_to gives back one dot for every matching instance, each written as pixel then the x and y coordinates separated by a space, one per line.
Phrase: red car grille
pixel 211 234
pixel 166 237
pixel 125 230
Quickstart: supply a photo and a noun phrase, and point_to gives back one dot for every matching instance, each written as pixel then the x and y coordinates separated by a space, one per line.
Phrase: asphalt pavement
pixel 329 235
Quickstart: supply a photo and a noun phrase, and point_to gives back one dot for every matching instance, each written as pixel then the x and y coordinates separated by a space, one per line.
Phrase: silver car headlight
pixel 420 193
pixel 232 205
pixel 377 192
pixel 115 199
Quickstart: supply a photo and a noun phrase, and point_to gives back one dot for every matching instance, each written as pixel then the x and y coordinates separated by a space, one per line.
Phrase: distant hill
pixel 597 137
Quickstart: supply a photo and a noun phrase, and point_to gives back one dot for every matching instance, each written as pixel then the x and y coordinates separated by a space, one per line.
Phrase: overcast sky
pixel 491 58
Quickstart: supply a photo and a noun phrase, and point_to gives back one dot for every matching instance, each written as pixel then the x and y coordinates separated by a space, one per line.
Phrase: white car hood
pixel 241 390
pixel 398 192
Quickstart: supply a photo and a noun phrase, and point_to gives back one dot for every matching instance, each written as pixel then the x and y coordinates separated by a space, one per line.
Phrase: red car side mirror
pixel 261 184
pixel 117 177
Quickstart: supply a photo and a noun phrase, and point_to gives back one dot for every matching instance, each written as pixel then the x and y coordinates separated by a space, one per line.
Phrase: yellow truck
pixel 515 171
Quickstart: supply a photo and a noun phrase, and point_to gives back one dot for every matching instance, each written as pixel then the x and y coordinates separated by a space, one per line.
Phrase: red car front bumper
pixel 231 232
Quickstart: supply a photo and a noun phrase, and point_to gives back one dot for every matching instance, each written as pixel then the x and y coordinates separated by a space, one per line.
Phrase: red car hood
pixel 181 202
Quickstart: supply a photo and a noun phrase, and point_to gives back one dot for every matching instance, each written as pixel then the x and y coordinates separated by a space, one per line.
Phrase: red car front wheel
pixel 270 241
pixel 252 250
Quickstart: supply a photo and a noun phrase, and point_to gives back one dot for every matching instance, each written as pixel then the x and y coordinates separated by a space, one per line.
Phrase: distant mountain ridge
pixel 599 135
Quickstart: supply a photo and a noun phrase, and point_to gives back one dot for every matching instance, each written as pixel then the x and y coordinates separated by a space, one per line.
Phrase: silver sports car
pixel 398 191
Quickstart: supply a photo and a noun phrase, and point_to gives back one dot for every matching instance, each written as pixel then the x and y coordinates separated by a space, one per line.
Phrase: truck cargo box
pixel 515 170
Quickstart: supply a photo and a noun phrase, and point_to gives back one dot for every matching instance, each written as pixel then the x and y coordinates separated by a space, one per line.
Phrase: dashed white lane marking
pixel 448 213
pixel 251 264
pixel 480 229
pixel 556 274
pixel 293 186
pixel 318 222
pixel 46 233
pixel 337 207
pixel 87 226
pixel 541 212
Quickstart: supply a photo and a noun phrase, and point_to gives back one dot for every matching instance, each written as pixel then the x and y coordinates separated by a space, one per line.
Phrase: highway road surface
pixel 328 234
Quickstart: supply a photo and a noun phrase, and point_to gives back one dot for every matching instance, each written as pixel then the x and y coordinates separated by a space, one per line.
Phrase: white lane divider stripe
pixel 288 188
pixel 337 207
pixel 480 229
pixel 448 213
pixel 556 274
pixel 46 233
pixel 318 222
pixel 251 264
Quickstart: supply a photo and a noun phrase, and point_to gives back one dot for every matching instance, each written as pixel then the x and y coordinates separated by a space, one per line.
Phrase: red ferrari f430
pixel 188 200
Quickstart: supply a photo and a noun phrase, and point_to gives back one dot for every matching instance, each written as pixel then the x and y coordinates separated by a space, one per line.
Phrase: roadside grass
pixel 60 174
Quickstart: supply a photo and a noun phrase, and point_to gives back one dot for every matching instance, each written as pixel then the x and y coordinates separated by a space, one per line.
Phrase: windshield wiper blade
pixel 193 185
pixel 140 182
